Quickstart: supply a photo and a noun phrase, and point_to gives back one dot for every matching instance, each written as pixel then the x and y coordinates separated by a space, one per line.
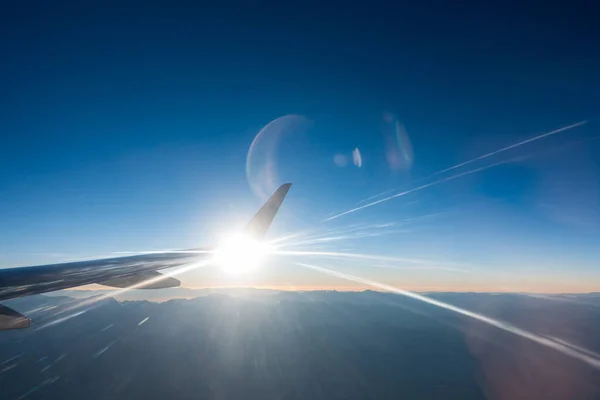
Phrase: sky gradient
pixel 128 127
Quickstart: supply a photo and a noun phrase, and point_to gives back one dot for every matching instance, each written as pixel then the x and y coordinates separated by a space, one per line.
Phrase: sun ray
pixel 562 346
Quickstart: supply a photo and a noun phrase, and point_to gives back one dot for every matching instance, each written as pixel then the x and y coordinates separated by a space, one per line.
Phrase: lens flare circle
pixel 262 164
pixel 398 148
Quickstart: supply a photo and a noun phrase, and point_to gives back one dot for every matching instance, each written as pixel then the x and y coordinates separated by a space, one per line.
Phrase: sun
pixel 240 254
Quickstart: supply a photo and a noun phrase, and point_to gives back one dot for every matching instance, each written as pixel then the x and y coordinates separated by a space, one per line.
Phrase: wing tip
pixel 260 223
pixel 283 190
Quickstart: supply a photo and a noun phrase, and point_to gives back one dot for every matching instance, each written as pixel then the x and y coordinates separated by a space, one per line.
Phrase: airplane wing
pixel 139 271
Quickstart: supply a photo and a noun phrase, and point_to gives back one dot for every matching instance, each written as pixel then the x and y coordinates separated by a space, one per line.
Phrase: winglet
pixel 260 223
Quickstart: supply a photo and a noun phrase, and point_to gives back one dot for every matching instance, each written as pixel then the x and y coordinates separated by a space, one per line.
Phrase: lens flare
pixel 398 149
pixel 262 169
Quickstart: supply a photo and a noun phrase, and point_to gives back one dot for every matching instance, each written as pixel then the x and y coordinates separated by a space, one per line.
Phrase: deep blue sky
pixel 125 126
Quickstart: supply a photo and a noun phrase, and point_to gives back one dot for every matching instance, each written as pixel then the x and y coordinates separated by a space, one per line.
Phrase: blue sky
pixel 127 127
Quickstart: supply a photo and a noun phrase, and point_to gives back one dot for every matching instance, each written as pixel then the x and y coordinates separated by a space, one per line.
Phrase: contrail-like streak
pixel 357 230
pixel 302 237
pixel 377 195
pixel 349 255
pixel 421 188
pixel 359 256
pixel 512 146
pixel 59 320
pixel 568 349
pixel 329 239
